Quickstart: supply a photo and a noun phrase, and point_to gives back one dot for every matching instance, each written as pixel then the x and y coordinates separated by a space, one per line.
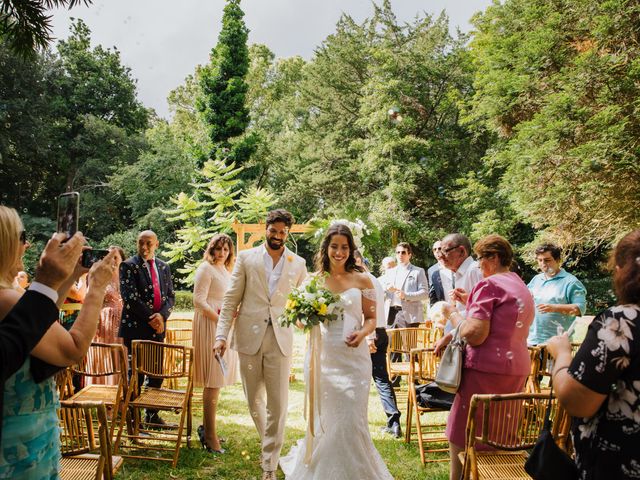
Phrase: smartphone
pixel 68 213
pixel 89 257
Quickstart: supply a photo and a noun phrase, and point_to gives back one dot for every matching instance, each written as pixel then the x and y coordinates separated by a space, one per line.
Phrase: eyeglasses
pixel 488 255
pixel 402 252
pixel 445 251
pixel 23 237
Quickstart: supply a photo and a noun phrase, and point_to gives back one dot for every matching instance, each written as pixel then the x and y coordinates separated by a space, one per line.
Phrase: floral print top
pixel 607 445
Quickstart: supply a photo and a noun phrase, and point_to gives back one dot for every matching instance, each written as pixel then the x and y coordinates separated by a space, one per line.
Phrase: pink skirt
pixel 474 382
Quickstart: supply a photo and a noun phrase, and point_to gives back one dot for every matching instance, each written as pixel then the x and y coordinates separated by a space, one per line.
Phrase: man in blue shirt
pixel 558 295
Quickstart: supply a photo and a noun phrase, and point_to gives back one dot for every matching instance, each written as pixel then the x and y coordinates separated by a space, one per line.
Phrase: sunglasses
pixel 23 237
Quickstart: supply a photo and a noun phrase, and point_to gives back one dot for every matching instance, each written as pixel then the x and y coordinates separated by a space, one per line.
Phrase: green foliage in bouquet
pixel 311 304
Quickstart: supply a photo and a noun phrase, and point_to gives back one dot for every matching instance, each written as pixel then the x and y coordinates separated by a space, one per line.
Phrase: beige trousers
pixel 266 374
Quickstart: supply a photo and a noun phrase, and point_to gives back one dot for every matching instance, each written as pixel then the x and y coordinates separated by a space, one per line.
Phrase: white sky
pixel 163 40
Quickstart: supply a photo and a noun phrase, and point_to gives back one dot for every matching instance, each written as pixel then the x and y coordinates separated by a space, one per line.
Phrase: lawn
pixel 243 447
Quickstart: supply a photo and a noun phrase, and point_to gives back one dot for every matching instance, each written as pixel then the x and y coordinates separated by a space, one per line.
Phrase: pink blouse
pixel 506 303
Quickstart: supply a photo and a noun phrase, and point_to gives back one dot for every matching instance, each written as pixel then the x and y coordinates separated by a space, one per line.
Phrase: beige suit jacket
pixel 250 292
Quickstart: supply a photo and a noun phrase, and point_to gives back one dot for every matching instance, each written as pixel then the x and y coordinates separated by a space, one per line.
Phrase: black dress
pixel 607 445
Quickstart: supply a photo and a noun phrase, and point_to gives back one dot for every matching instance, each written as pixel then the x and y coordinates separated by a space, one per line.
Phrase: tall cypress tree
pixel 224 89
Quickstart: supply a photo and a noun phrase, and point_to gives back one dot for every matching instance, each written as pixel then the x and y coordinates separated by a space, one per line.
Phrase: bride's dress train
pixel 342 448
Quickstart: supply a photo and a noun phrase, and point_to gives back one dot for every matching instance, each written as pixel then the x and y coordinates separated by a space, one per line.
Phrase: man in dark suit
pixel 436 290
pixel 148 298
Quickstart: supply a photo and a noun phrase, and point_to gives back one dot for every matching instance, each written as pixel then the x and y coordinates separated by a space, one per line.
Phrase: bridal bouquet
pixel 310 304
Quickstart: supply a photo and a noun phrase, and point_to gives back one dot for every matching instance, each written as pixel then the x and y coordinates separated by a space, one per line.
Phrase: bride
pixel 338 444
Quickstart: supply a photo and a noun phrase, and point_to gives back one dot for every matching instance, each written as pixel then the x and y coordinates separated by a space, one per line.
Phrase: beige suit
pixel 264 346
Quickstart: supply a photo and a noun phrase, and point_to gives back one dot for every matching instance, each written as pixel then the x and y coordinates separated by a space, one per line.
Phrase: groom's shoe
pixel 395 430
pixel 269 475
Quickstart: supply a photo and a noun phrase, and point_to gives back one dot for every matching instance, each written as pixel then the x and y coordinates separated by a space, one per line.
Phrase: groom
pixel 261 281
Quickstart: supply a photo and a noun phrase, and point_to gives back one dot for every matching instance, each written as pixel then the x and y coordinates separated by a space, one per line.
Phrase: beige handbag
pixel 450 369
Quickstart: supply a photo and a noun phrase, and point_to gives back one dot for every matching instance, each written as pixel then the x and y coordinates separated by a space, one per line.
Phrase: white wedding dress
pixel 342 448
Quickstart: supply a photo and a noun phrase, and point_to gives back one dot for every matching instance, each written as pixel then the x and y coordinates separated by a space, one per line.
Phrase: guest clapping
pixel 498 315
pixel 30 424
pixel 600 387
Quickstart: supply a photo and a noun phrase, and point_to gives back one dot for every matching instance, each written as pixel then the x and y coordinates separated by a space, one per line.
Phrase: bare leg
pixel 209 404
pixel 456 467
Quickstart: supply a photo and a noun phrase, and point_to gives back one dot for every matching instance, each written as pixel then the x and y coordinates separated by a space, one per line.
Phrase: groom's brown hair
pixel 280 215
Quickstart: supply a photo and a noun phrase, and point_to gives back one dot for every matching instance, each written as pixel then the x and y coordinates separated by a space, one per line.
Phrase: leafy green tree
pixel 218 204
pixel 25 24
pixel 558 83
pixel 224 89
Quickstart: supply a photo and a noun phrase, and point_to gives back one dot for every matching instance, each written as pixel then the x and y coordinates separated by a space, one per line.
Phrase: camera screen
pixel 68 206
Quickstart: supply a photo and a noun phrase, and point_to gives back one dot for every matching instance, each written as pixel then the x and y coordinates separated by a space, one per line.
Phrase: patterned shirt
pixel 608 362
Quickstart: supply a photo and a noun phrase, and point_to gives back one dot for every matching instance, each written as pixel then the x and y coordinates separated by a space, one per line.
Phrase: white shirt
pixel 401 272
pixel 466 277
pixel 272 273
pixel 44 290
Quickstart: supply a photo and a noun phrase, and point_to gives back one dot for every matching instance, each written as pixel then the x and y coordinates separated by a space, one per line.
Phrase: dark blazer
pixel 137 297
pixel 436 292
pixel 20 332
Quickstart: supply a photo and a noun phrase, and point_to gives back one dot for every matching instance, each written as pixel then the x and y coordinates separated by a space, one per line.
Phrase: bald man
pixel 148 298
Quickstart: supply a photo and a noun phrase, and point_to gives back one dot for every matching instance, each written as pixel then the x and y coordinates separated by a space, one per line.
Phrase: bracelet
pixel 559 369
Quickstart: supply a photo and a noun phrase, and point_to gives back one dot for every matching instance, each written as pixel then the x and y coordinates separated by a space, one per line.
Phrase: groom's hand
pixel 220 346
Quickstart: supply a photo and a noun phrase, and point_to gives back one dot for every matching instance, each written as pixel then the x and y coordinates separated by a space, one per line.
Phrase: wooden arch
pixel 255 232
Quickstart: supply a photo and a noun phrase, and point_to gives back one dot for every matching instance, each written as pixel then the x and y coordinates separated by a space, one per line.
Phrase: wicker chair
pixel 178 336
pixel 104 361
pixel 158 360
pixel 511 424
pixel 401 342
pixel 86 451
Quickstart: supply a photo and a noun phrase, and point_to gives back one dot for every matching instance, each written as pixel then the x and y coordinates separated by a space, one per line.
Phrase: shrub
pixel 184 300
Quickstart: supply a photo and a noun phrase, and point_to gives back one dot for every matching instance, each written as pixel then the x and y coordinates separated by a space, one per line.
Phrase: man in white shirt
pixel 406 288
pixel 456 252
pixel 260 283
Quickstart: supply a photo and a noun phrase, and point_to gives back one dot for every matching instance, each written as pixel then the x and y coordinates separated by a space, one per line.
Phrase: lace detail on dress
pixel 369 293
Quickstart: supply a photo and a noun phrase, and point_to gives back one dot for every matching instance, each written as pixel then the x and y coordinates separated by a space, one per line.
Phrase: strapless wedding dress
pixel 341 448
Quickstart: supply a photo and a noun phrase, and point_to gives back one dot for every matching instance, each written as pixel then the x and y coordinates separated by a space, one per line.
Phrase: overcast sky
pixel 163 40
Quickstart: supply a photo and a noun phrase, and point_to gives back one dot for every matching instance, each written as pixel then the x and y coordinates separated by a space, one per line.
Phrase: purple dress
pixel 501 363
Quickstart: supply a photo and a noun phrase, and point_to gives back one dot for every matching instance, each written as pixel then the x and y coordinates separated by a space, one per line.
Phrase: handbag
pixel 547 460
pixel 429 395
pixel 449 371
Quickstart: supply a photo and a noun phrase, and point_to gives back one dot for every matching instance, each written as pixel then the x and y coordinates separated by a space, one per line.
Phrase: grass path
pixel 240 462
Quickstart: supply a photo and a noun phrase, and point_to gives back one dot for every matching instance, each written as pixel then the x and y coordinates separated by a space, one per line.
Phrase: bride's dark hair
pixel 322 257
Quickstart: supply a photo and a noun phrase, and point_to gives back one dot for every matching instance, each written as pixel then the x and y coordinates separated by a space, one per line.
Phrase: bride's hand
pixel 354 339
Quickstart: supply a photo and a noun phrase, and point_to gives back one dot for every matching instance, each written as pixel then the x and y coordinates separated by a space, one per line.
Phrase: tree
pixel 224 89
pixel 25 24
pixel 558 83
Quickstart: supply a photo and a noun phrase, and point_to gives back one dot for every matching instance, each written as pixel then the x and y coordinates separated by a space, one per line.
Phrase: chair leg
pixel 409 417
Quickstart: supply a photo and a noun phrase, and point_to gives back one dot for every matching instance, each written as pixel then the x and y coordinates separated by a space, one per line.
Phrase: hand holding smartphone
pixel 68 213
pixel 223 364
pixel 91 256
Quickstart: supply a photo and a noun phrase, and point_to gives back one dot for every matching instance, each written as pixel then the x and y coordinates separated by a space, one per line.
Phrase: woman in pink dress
pixel 500 310
pixel 210 284
pixel 110 317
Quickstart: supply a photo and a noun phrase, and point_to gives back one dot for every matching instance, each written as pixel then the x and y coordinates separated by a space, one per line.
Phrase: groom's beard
pixel 275 244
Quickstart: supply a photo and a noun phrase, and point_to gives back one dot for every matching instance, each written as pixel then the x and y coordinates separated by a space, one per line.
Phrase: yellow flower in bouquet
pixel 310 305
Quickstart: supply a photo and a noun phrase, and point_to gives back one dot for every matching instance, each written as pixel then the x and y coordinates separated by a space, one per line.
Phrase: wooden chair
pixel 401 342
pixel 423 366
pixel 104 361
pixel 157 360
pixel 86 451
pixel 511 424
pixel 178 336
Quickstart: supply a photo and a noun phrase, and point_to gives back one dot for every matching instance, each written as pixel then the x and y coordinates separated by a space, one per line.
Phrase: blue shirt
pixel 563 288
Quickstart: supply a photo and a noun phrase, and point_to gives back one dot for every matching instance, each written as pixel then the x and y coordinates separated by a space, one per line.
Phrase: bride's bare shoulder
pixel 363 281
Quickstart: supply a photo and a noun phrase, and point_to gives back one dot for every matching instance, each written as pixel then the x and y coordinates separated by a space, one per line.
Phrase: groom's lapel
pixel 285 279
pixel 258 262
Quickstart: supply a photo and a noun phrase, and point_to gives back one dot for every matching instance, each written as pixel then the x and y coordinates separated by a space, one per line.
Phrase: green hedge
pixel 184 300
pixel 599 294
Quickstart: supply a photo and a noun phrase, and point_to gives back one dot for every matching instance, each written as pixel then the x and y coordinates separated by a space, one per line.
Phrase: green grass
pixel 241 461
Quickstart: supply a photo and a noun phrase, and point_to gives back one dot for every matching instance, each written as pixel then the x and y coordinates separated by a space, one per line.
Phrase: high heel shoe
pixel 203 442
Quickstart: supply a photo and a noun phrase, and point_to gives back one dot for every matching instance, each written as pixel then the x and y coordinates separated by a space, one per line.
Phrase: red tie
pixel 157 300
